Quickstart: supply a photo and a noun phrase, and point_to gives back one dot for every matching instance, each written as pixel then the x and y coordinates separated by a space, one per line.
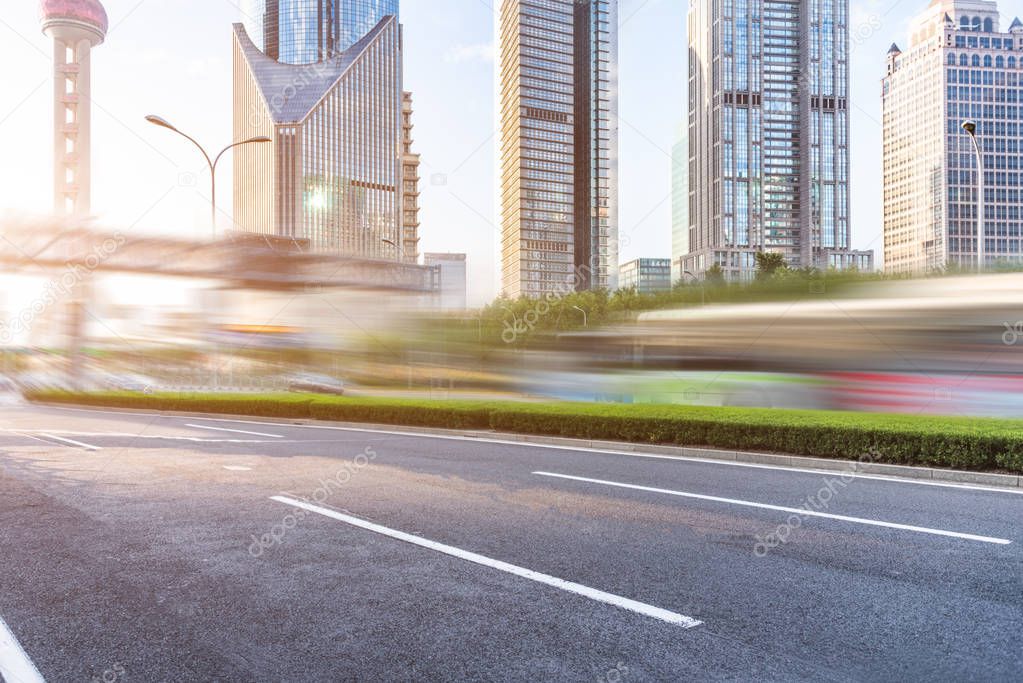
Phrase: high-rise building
pixel 75 26
pixel 310 31
pixel 453 279
pixel 334 174
pixel 769 135
pixel 679 205
pixel 410 208
pixel 558 148
pixel 959 67
pixel 646 275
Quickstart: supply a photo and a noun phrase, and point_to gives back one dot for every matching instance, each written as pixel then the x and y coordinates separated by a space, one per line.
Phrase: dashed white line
pixel 235 431
pixel 780 508
pixel 15 666
pixel 70 442
pixel 578 589
pixel 237 468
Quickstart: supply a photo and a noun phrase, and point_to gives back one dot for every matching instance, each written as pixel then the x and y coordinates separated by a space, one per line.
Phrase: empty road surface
pixel 139 547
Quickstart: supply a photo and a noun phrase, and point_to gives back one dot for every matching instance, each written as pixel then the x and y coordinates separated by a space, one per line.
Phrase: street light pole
pixel 703 287
pixel 971 128
pixel 586 320
pixel 211 163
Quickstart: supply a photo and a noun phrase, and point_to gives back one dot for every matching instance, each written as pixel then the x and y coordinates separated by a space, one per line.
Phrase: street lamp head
pixel 261 138
pixel 157 121
pixel 970 127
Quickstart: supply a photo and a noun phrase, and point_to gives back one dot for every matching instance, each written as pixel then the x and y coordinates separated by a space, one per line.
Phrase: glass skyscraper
pixel 340 172
pixel 558 150
pixel 309 31
pixel 959 67
pixel 769 135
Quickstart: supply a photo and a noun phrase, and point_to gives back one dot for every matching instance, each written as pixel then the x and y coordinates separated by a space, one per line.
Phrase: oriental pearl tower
pixel 76 26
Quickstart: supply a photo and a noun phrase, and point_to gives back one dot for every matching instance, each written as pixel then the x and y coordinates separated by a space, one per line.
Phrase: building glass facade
pixel 768 133
pixel 959 67
pixel 558 146
pixel 334 175
pixel 646 275
pixel 310 31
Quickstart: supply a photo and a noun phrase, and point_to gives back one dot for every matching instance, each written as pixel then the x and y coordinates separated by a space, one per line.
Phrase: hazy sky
pixel 173 58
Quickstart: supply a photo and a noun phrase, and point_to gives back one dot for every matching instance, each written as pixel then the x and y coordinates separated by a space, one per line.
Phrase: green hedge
pixel 964 443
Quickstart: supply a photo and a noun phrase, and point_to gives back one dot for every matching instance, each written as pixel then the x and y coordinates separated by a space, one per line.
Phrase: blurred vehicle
pixel 42 381
pixel 9 392
pixel 311 383
pixel 130 382
pixel 948 346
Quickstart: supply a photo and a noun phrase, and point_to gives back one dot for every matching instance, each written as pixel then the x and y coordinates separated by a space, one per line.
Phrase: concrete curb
pixel 823 465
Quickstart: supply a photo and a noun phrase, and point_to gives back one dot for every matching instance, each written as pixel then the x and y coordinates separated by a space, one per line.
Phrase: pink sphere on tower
pixel 87 14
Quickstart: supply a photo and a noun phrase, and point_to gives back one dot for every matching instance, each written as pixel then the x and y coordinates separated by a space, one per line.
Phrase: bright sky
pixel 173 58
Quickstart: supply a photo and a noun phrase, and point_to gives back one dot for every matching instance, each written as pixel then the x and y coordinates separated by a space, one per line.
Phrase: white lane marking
pixel 71 442
pixel 235 431
pixel 546 579
pixel 15 666
pixel 237 468
pixel 891 479
pixel 129 435
pixel 780 508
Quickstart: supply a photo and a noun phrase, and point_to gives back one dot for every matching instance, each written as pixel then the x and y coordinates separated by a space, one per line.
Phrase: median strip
pixel 978 444
pixel 592 593
pixel 780 508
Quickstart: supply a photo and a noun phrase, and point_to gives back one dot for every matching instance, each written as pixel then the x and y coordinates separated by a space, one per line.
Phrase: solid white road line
pixel 129 435
pixel 845 472
pixel 71 442
pixel 237 468
pixel 578 589
pixel 780 508
pixel 235 431
pixel 15 666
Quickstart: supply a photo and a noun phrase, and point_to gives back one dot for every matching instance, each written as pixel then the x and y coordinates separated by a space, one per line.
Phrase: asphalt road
pixel 154 548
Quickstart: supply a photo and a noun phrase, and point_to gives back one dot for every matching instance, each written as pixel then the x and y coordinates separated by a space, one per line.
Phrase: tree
pixel 769 263
pixel 714 276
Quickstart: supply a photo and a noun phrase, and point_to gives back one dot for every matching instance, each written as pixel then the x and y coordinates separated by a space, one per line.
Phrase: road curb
pixel 825 465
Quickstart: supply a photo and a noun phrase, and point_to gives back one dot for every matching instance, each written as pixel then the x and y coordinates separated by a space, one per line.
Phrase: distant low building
pixel 453 280
pixel 646 275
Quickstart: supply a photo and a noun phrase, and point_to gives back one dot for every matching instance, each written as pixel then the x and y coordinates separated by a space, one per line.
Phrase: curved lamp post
pixel 703 287
pixel 971 128
pixel 586 319
pixel 212 163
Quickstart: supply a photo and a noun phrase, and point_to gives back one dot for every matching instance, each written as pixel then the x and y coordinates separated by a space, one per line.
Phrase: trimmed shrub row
pixel 962 443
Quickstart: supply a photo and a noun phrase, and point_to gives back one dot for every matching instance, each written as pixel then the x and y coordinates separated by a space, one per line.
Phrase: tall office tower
pixel 410 208
pixel 679 205
pixel 334 173
pixel 558 109
pixel 769 135
pixel 959 67
pixel 76 26
pixel 310 31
